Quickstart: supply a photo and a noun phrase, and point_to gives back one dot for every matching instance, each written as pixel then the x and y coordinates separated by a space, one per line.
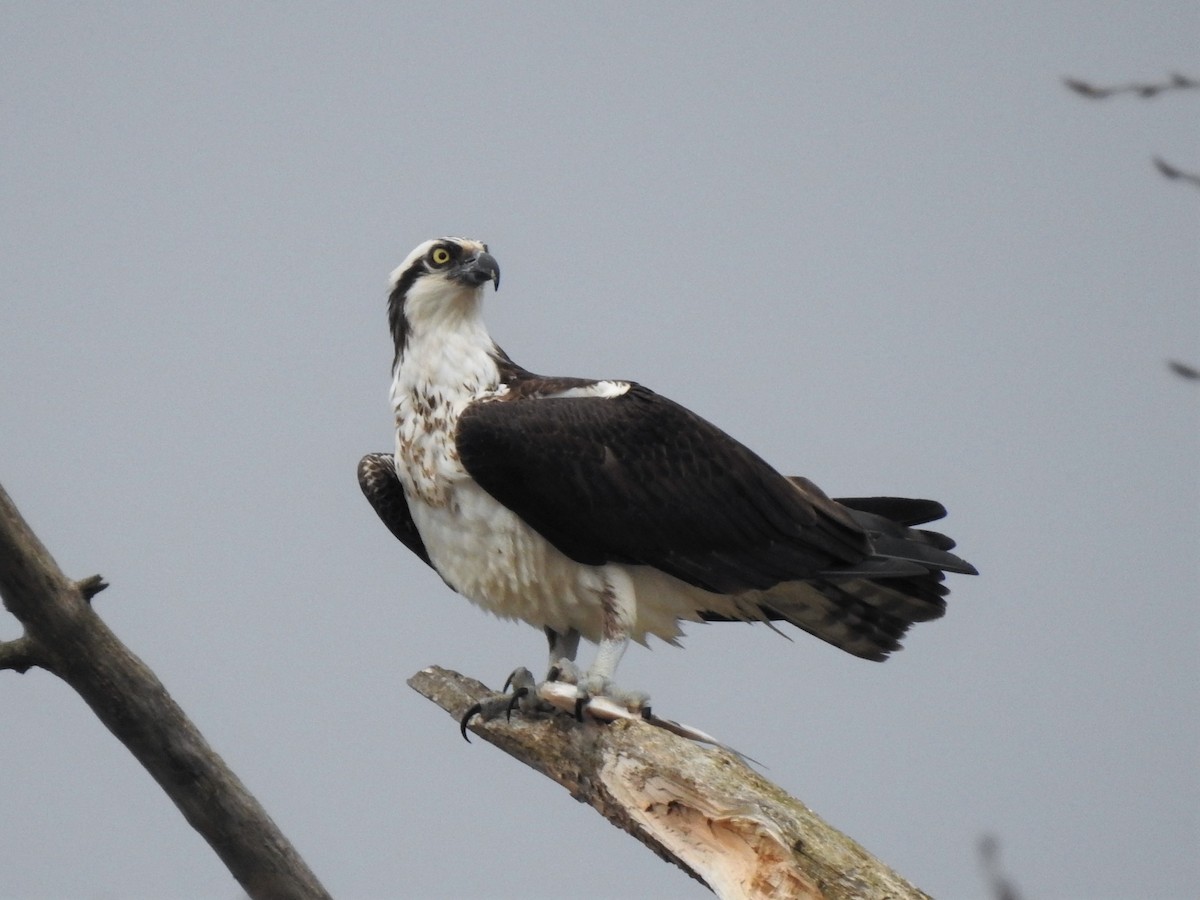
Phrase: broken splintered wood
pixel 701 808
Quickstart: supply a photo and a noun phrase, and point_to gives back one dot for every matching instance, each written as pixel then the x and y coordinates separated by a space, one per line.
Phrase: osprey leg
pixel 598 681
pixel 618 601
pixel 563 647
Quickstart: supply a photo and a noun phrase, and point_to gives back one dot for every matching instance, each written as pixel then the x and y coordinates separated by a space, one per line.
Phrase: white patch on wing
pixel 603 389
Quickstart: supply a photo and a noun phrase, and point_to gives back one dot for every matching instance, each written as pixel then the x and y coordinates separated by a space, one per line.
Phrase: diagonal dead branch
pixel 700 808
pixel 64 635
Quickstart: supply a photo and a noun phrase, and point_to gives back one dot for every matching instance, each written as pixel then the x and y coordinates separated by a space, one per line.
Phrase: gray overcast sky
pixel 879 243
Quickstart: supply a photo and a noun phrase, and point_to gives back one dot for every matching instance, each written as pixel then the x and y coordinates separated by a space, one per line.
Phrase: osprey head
pixel 441 279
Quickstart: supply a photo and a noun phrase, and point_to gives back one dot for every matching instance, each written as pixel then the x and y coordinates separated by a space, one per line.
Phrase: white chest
pixel 439 375
pixel 483 550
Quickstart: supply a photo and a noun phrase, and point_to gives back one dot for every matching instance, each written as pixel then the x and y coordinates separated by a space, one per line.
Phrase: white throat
pixel 448 362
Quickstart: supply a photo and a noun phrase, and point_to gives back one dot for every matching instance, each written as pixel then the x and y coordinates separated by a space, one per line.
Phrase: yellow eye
pixel 439 256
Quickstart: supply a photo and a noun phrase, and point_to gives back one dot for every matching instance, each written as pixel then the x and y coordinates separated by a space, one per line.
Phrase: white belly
pixel 490 556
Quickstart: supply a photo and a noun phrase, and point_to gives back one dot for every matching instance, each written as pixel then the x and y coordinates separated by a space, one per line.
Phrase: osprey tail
pixel 866 609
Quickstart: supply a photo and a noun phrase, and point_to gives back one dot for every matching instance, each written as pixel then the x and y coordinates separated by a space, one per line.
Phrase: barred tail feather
pixel 865 609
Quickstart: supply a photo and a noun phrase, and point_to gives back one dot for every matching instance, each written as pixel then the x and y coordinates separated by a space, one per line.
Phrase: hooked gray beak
pixel 479 269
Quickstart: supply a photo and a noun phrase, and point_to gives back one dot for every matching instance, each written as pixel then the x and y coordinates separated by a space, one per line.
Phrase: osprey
pixel 600 509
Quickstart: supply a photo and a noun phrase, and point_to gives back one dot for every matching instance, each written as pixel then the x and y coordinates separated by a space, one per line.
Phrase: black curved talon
pixel 553 674
pixel 475 710
pixel 517 697
pixel 580 702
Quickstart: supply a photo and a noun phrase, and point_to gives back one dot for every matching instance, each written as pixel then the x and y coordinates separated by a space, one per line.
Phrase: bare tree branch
pixel 1174 82
pixel 700 808
pixel 1183 370
pixel 1175 173
pixel 65 636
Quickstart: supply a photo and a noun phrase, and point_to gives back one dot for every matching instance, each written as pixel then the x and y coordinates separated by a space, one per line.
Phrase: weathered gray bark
pixel 699 807
pixel 64 635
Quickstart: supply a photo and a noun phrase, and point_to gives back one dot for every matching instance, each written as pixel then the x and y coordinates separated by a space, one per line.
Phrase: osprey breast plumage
pixel 599 509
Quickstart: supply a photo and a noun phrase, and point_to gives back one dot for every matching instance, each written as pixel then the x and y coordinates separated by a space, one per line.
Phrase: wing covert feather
pixel 640 479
